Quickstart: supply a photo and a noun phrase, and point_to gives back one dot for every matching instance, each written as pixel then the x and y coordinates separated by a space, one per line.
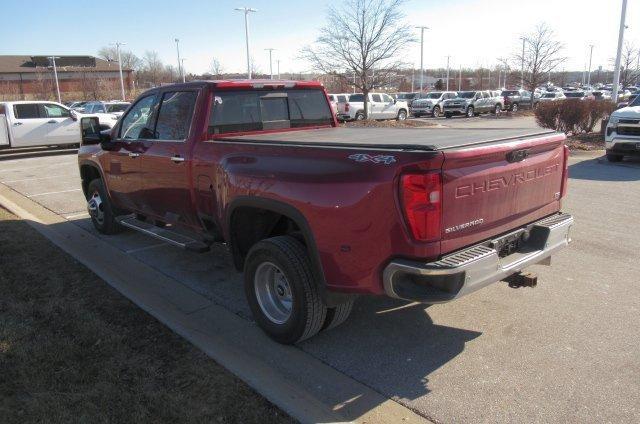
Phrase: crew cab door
pixel 61 128
pixel 123 164
pixel 376 106
pixel 390 110
pixel 28 127
pixel 166 161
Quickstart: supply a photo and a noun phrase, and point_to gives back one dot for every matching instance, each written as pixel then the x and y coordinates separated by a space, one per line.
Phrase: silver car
pixel 431 104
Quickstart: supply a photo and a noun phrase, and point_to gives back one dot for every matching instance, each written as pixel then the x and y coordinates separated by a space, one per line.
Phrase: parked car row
pixel 381 106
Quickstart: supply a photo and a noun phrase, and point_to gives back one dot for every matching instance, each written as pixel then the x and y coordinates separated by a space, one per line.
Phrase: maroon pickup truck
pixel 315 214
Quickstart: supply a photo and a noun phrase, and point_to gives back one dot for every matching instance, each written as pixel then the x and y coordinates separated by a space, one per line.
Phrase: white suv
pixel 622 137
pixel 381 106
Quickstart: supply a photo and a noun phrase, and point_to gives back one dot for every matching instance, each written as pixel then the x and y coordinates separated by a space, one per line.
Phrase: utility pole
pixel 448 58
pixel 522 64
pixel 179 62
pixel 638 70
pixel 278 67
pixel 489 87
pixel 616 71
pixel 499 76
pixel 422 28
pixel 184 74
pixel 589 72
pixel 413 71
pixel 118 44
pixel 55 74
pixel 270 50
pixel 246 11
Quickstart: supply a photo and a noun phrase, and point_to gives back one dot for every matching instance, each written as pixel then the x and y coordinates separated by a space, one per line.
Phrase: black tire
pixel 471 112
pixel 338 315
pixel 514 107
pixel 402 115
pixel 436 113
pixel 308 312
pixel 104 214
pixel 497 109
pixel 360 116
pixel 611 157
pixel 447 115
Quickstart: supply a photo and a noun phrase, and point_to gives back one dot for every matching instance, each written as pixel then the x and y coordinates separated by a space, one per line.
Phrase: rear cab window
pixel 26 111
pixel 257 110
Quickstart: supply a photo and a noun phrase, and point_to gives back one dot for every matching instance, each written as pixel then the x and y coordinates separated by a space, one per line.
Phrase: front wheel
pixel 359 116
pixel 470 112
pixel 614 158
pixel 437 112
pixel 497 109
pixel 102 212
pixel 402 115
pixel 282 290
pixel 514 107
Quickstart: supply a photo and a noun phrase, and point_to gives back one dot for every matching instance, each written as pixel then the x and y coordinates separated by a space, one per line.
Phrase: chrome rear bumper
pixel 475 267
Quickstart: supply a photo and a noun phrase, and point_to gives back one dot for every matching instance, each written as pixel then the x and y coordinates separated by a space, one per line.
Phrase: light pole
pixel 589 71
pixel 522 64
pixel 55 74
pixel 118 44
pixel 638 70
pixel 179 61
pixel 422 28
pixel 184 79
pixel 460 79
pixel 448 58
pixel 246 11
pixel 616 71
pixel 270 50
pixel 278 67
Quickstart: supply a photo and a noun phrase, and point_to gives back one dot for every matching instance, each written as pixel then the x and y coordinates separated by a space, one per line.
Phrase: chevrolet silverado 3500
pixel 314 214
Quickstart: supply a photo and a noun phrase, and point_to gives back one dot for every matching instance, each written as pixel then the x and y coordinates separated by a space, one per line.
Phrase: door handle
pixel 15 124
pixel 134 155
pixel 177 159
pixel 52 122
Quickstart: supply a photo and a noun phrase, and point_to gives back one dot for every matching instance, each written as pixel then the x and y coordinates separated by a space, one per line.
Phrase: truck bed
pixel 429 139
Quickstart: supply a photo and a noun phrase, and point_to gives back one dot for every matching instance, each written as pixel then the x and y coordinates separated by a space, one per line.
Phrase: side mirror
pixel 90 127
pixel 73 115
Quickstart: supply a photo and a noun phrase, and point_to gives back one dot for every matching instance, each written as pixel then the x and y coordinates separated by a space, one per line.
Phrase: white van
pixel 37 123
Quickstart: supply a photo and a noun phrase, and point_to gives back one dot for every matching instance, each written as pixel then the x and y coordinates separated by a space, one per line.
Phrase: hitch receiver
pixel 522 279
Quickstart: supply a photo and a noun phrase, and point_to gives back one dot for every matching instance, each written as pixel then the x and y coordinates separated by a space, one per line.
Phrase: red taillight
pixel 565 173
pixel 421 199
pixel 346 107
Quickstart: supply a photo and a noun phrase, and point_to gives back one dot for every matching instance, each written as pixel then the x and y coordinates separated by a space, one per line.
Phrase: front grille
pixel 622 130
pixel 630 121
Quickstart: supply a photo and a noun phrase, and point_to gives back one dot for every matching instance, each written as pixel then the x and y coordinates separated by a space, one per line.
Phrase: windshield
pixel 407 96
pixel 510 93
pixel 574 94
pixel 548 96
pixel 118 107
pixel 636 101
pixel 467 94
pixel 434 95
pixel 240 111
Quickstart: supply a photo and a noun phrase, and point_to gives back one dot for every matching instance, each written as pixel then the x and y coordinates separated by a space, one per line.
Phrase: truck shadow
pixel 391 346
pixel 599 169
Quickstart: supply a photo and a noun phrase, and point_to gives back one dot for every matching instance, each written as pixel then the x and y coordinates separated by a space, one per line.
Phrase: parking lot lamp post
pixel 118 44
pixel 179 62
pixel 422 28
pixel 589 70
pixel 448 58
pixel 246 11
pixel 55 74
pixel 184 74
pixel 278 67
pixel 270 50
pixel 616 71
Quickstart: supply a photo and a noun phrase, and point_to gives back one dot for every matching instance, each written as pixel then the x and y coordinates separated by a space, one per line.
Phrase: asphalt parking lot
pixel 566 350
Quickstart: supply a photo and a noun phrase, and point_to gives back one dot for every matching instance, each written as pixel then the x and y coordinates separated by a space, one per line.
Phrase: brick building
pixel 80 78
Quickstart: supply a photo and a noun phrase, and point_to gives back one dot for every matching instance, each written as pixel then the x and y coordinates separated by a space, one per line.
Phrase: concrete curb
pixel 304 387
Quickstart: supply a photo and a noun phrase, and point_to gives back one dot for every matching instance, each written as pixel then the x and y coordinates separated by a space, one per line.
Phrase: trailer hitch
pixel 522 279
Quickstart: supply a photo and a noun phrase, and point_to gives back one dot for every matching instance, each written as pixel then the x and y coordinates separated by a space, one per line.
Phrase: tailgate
pixel 493 188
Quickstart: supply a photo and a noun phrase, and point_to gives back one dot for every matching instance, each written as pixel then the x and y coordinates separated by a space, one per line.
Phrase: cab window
pixel 26 111
pixel 138 118
pixel 376 98
pixel 174 115
pixel 54 111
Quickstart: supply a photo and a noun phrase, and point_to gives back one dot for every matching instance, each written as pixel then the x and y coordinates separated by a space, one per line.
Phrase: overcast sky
pixel 473 32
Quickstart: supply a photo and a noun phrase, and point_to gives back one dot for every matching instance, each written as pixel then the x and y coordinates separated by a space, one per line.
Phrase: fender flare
pixel 331 299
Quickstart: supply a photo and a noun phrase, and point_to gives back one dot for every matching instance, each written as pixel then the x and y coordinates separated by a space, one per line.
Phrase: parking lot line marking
pixel 76 215
pixel 53 192
pixel 34 179
pixel 141 249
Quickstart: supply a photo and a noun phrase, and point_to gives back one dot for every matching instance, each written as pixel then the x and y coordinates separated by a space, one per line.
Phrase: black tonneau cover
pixel 393 138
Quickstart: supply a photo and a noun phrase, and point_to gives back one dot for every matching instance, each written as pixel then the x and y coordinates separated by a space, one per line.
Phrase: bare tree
pixel 153 67
pixel 216 68
pixel 363 38
pixel 628 71
pixel 541 55
pixel 129 60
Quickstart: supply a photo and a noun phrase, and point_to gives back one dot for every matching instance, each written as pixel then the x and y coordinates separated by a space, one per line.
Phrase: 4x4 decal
pixel 364 157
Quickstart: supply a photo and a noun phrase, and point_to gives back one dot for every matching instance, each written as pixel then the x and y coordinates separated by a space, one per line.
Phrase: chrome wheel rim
pixel 273 292
pixel 436 112
pixel 514 108
pixel 95 206
pixel 470 112
pixel 498 110
pixel 402 116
